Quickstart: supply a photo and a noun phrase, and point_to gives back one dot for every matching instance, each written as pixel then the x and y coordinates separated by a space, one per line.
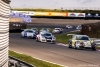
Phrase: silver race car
pixel 45 37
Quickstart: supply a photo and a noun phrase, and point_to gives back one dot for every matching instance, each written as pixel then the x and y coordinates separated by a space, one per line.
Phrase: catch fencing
pixel 92 30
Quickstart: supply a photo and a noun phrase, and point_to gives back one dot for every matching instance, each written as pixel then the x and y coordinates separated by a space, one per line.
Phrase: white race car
pixel 69 26
pixel 45 37
pixel 28 33
pixel 57 30
pixel 35 29
pixel 79 27
pixel 44 29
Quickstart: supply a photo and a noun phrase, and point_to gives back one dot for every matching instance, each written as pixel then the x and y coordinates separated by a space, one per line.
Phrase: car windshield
pixel 47 34
pixel 82 38
pixel 34 29
pixel 79 26
pixel 57 29
pixel 44 29
pixel 29 31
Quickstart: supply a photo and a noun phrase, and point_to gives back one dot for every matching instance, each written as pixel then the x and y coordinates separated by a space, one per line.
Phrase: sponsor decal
pixel 80 15
pixel 72 15
pixel 58 14
pixel 89 15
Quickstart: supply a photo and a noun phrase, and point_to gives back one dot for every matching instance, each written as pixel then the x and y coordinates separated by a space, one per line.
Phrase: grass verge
pixel 63 38
pixel 31 60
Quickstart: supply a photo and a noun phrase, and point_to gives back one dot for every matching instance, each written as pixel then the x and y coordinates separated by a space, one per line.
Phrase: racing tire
pixel 93 48
pixel 69 45
pixel 37 39
pixel 54 42
pixel 60 31
pixel 75 46
pixel 22 36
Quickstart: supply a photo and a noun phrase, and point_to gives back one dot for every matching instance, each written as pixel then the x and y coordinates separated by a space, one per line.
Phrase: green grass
pixel 31 60
pixel 63 38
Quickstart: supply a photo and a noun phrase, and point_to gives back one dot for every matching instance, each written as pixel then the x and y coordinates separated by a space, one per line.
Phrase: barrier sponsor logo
pixel 41 13
pixel 71 15
pixel 81 15
pixel 31 13
pixel 76 14
pixel 50 14
pixel 89 15
pixel 59 14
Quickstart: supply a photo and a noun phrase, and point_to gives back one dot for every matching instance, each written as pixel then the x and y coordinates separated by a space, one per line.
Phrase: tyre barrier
pixel 14 62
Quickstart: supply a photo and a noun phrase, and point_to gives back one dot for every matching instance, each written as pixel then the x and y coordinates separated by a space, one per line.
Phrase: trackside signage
pixel 76 14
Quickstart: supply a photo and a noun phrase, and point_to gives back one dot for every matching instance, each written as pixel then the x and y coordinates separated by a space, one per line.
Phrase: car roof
pixel 33 28
pixel 75 35
pixel 80 35
pixel 57 28
pixel 43 32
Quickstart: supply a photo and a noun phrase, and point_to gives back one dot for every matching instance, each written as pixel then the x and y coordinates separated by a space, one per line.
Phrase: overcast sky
pixel 54 3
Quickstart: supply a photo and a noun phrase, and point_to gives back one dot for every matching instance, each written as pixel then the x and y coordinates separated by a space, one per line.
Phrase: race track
pixel 54 53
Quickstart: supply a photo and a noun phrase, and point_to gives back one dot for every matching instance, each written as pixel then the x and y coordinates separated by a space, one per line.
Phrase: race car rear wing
pixel 70 34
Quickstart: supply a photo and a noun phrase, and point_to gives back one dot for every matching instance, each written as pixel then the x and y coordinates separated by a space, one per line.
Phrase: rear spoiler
pixel 70 34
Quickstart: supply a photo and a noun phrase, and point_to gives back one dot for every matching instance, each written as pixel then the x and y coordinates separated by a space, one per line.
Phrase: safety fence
pixel 92 30
pixel 4 32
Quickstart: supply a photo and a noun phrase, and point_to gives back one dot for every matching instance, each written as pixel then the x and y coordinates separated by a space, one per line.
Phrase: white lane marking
pixel 43 60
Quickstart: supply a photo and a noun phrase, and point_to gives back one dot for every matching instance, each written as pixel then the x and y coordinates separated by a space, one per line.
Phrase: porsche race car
pixel 57 30
pixel 80 42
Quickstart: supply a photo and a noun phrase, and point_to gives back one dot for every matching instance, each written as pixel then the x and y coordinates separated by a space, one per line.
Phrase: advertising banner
pixel 58 14
pixel 76 14
pixel 41 13
pixel 31 13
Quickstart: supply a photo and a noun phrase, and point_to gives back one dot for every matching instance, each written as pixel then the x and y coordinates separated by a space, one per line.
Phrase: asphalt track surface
pixel 54 53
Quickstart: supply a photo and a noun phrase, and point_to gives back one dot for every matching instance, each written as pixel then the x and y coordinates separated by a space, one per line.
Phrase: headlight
pixel 78 42
pixel 54 38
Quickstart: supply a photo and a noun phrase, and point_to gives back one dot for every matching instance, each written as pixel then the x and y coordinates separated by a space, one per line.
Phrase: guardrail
pixel 14 62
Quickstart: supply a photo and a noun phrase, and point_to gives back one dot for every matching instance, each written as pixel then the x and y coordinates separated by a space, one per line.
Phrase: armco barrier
pixel 4 32
pixel 18 63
